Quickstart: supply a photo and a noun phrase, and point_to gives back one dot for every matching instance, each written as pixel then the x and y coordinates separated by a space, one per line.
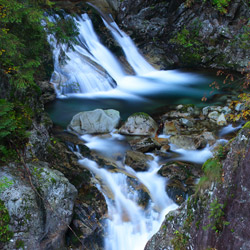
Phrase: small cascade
pixel 134 58
pixel 131 223
pixel 85 68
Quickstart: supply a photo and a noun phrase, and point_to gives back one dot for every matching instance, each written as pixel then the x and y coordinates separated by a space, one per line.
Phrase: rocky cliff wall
pixel 174 34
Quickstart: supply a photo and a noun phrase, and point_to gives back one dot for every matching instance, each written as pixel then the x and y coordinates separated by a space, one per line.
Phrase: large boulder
pixel 40 212
pixel 94 122
pixel 139 124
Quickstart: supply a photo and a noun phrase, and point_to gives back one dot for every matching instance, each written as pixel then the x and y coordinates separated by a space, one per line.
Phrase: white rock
pixel 179 107
pixel 213 115
pixel 96 121
pixel 139 124
pixel 221 121
pixel 226 110
pixel 239 107
pixel 205 110
pixel 186 122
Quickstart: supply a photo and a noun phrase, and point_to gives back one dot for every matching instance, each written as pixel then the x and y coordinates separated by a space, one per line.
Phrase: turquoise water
pixel 62 110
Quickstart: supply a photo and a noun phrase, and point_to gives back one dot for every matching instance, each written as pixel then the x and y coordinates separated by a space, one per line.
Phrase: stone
pixel 144 145
pixel 226 110
pixel 39 220
pixel 179 107
pixel 213 115
pixel 171 128
pixel 186 122
pixel 139 124
pixel 221 121
pixel 209 137
pixel 48 91
pixel 94 122
pixel 165 148
pixel 188 142
pixel 137 160
pixel 239 107
pixel 205 111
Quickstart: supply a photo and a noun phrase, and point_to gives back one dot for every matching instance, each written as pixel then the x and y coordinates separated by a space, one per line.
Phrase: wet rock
pixel 209 137
pixel 48 91
pixel 90 211
pixel 205 110
pixel 171 128
pixel 139 124
pixel 188 142
pixel 165 148
pixel 93 122
pixel 221 121
pixel 226 110
pixel 180 170
pixel 144 145
pixel 213 115
pixel 186 122
pixel 39 215
pixel 137 160
pixel 239 107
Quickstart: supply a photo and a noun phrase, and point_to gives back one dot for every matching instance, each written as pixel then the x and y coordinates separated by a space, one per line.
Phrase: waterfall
pixel 132 220
pixel 134 58
pixel 91 68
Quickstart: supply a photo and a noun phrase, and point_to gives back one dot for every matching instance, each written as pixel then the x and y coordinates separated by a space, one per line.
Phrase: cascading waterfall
pixel 134 58
pixel 130 224
pixel 92 68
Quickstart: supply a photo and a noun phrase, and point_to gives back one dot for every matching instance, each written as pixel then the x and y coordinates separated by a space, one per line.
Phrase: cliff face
pixel 215 218
pixel 174 34
pixel 181 33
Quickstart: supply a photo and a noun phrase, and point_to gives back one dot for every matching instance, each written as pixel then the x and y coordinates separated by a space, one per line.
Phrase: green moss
pixel 20 244
pixel 217 215
pixel 5 183
pixel 142 114
pixel 5 233
pixel 247 125
pixel 180 240
pixel 212 173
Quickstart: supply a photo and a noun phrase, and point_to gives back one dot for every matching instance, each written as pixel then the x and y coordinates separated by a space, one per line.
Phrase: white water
pixel 134 58
pixel 130 225
pixel 92 68
pixel 91 71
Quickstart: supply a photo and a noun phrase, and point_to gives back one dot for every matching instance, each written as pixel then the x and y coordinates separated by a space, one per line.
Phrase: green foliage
pixel 14 120
pixel 5 233
pixel 217 215
pixel 188 45
pixel 5 183
pixel 212 169
pixel 23 39
pixel 221 5
pixel 180 240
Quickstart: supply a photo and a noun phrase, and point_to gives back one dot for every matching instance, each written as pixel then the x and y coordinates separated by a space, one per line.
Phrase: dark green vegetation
pixel 5 233
pixel 25 58
pixel 15 119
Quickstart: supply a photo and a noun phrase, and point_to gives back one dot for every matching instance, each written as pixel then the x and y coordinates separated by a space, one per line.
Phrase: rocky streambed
pixel 182 139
